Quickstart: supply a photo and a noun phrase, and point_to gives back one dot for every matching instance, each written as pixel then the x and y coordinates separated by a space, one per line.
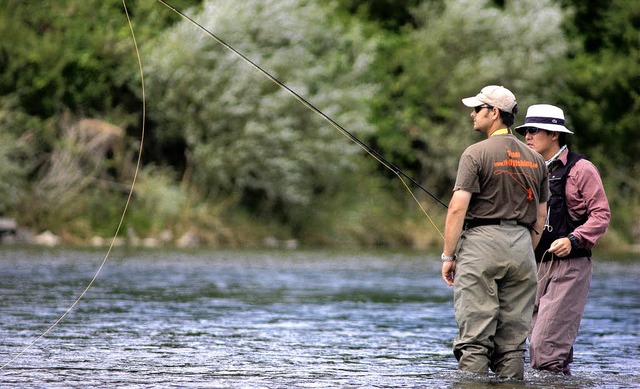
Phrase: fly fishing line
pixel 124 211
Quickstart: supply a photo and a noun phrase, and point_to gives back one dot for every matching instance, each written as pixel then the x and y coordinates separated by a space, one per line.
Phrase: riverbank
pixel 255 234
pixel 404 235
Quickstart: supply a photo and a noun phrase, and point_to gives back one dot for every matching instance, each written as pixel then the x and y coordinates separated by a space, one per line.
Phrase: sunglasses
pixel 479 108
pixel 530 130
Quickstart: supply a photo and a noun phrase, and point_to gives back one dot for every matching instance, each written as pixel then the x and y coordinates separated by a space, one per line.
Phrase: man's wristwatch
pixel 445 258
pixel 573 240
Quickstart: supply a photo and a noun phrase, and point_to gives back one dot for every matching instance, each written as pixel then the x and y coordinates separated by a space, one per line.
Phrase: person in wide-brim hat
pixel 578 215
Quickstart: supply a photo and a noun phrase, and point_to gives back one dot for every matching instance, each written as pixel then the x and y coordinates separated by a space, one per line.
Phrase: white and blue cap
pixel 544 116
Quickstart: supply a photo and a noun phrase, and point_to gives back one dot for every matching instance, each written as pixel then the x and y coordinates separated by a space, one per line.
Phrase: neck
pixel 551 151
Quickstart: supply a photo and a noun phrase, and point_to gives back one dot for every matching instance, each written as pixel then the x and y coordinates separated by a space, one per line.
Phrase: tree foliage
pixel 14 157
pixel 244 135
pixel 457 48
pixel 391 15
pixel 60 60
pixel 391 72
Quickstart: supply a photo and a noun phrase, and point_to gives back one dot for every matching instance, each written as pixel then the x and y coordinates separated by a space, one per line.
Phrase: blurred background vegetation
pixel 231 159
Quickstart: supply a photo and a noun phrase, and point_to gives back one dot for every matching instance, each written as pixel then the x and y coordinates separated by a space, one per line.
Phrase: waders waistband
pixel 471 223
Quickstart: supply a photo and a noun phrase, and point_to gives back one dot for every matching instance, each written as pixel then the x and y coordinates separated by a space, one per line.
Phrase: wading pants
pixel 560 300
pixel 494 292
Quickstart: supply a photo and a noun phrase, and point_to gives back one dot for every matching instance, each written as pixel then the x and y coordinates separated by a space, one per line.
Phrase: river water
pixel 271 319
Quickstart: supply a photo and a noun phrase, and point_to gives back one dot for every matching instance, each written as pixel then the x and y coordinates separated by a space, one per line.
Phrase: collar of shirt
pixel 561 156
pixel 502 131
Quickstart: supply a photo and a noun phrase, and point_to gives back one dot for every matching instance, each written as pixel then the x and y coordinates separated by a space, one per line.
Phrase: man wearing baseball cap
pixel 494 216
pixel 578 215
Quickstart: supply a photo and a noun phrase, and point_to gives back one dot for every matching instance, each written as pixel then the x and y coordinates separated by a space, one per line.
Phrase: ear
pixel 495 113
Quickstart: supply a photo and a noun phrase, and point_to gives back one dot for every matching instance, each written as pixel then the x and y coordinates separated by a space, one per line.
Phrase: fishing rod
pixel 396 170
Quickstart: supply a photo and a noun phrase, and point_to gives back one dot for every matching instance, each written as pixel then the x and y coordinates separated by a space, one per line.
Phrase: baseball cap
pixel 495 96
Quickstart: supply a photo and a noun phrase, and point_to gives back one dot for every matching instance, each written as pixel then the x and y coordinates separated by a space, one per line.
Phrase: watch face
pixel 573 240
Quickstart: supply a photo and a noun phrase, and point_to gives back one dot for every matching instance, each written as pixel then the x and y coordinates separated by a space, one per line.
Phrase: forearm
pixel 452 231
pixel 588 233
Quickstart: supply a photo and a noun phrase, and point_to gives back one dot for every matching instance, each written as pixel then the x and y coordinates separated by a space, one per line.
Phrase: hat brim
pixel 472 102
pixel 549 127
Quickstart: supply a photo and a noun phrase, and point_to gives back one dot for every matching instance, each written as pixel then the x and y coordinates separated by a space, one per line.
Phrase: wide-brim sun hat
pixel 545 116
pixel 495 96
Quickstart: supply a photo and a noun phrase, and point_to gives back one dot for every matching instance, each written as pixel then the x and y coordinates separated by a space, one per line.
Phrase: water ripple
pixel 272 320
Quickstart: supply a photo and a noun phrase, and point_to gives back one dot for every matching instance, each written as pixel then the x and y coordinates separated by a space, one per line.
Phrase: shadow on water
pixel 272 320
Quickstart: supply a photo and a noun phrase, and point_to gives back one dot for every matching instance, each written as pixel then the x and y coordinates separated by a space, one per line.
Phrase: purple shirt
pixel 585 196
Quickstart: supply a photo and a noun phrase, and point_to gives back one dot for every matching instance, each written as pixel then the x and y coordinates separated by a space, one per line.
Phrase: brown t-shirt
pixel 506 178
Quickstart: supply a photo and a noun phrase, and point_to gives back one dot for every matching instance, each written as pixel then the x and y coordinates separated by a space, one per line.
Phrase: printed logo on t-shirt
pixel 514 160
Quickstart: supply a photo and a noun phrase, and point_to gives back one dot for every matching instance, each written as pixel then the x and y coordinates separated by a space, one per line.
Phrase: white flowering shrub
pixel 245 136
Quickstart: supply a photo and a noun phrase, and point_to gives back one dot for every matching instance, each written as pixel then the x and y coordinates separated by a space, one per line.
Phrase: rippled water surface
pixel 270 319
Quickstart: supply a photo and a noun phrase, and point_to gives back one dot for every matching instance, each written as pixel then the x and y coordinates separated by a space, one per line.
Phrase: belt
pixel 471 223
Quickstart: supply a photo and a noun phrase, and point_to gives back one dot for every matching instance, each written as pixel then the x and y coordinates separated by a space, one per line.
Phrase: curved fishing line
pixel 124 211
pixel 540 266
pixel 397 171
